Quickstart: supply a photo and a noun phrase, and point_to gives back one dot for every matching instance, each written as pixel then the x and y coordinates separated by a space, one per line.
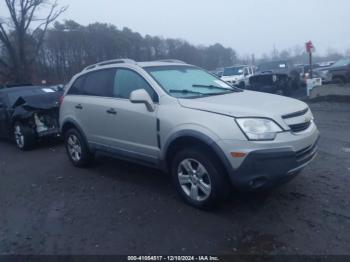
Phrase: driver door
pixel 134 129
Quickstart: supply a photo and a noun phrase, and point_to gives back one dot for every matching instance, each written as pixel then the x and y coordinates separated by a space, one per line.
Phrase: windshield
pixel 342 62
pixel 272 66
pixel 233 71
pixel 187 81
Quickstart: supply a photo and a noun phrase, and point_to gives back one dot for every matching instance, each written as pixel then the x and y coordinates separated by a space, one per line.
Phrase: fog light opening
pixel 258 182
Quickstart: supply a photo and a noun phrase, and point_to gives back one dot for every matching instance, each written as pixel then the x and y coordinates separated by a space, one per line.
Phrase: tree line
pixel 69 47
pixel 34 48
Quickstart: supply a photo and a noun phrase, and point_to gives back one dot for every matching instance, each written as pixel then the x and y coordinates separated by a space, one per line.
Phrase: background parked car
pixel 338 73
pixel 28 114
pixel 238 75
pixel 318 72
pixel 275 77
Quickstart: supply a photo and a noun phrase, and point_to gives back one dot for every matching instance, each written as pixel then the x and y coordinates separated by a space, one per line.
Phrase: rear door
pixel 94 108
pixel 247 74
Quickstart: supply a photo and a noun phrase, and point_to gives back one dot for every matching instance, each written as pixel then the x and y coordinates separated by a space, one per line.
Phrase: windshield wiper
pixel 214 87
pixel 232 89
pixel 185 91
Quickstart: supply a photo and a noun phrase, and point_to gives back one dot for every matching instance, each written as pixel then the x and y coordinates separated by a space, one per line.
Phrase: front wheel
pixel 241 85
pixel 339 80
pixel 199 178
pixel 24 136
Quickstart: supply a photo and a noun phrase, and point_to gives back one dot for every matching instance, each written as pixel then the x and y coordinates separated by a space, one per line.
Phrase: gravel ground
pixel 49 207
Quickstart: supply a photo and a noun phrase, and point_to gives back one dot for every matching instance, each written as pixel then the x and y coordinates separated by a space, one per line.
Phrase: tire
pixel 77 149
pixel 241 85
pixel 339 80
pixel 287 89
pixel 295 84
pixel 205 189
pixel 24 136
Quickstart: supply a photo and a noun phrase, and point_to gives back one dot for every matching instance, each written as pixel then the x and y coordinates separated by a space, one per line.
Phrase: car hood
pixel 274 71
pixel 228 78
pixel 247 104
pixel 321 69
pixel 25 106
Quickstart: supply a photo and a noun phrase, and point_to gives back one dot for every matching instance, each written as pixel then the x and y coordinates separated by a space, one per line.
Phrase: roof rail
pixel 110 62
pixel 172 61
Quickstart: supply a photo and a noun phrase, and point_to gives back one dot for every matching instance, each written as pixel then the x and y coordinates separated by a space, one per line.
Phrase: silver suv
pixel 183 120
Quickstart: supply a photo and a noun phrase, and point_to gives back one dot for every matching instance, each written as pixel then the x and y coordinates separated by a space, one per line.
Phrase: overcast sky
pixel 248 26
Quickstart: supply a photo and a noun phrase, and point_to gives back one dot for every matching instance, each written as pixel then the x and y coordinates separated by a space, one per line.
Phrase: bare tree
pixel 22 35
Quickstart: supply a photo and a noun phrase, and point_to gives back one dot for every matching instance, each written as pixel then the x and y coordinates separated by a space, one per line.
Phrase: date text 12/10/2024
pixel 173 258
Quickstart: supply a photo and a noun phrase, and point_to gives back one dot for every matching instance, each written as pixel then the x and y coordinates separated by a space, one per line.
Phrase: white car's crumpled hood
pixel 246 104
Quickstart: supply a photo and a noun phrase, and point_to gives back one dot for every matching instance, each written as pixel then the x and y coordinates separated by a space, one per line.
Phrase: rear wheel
pixel 199 179
pixel 24 136
pixel 77 149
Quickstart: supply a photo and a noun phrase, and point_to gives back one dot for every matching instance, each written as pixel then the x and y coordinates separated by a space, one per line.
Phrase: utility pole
pixel 311 69
pixel 310 49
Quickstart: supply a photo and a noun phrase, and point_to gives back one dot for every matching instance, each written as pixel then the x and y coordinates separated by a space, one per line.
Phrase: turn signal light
pixel 238 154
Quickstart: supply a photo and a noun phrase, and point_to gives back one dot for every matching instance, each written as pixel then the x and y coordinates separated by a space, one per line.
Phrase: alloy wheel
pixel 194 180
pixel 74 147
pixel 19 137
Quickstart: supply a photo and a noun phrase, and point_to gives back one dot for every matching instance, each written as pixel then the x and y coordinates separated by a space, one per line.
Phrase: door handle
pixel 79 107
pixel 111 111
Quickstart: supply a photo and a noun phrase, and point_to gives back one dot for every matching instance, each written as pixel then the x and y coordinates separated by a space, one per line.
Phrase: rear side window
pixel 127 81
pixel 99 83
pixel 77 87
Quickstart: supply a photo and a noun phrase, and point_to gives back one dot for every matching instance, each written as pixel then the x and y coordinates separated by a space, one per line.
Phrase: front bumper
pixel 269 163
pixel 271 167
pixel 50 132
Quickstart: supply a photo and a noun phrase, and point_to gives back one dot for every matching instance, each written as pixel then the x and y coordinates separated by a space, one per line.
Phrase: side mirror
pixel 140 96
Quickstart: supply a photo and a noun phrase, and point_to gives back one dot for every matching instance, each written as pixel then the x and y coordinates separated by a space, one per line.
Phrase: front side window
pixel 99 83
pixel 127 81
pixel 188 81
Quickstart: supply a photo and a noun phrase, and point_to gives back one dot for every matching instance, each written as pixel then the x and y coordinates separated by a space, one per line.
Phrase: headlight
pixel 259 128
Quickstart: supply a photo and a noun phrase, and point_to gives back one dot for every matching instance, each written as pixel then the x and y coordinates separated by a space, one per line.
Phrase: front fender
pixel 201 133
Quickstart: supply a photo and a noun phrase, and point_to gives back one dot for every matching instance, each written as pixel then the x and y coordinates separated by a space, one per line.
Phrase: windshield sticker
pixel 48 90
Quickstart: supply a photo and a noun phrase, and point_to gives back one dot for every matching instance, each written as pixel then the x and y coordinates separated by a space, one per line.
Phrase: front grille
pixel 300 127
pixel 296 114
